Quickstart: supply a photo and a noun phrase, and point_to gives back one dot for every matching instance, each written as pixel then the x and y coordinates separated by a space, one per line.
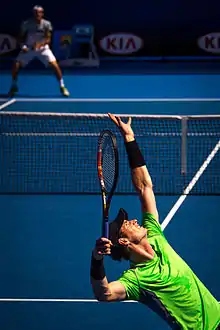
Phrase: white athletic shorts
pixel 44 54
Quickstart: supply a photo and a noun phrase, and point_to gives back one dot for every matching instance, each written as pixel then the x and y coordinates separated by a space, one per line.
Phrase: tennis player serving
pixel 35 38
pixel 157 277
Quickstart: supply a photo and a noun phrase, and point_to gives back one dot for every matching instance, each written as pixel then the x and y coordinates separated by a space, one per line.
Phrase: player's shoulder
pixel 27 22
pixel 149 218
pixel 150 222
pixel 127 275
pixel 46 22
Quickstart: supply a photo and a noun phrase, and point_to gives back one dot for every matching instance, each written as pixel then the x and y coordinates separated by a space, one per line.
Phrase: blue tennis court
pixel 46 240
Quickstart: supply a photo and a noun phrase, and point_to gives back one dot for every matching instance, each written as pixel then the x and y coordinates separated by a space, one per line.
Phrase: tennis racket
pixel 107 162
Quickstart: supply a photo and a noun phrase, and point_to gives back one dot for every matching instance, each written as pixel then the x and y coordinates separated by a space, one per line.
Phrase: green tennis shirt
pixel 169 287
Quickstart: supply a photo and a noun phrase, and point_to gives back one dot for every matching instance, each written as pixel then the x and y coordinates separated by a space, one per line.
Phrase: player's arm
pixel 140 176
pixel 45 41
pixel 22 36
pixel 47 37
pixel 102 289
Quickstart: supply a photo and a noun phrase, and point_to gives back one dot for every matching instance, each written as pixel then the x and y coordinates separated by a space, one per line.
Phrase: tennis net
pixel 55 153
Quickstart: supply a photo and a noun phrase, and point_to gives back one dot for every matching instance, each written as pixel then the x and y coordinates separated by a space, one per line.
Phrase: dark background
pixel 169 28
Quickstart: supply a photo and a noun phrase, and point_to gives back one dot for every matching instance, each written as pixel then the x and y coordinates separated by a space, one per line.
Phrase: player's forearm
pixel 47 39
pixel 44 42
pixel 21 39
pixel 139 173
pixel 98 278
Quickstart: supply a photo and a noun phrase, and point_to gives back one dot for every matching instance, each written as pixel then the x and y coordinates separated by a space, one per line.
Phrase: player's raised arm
pixel 139 173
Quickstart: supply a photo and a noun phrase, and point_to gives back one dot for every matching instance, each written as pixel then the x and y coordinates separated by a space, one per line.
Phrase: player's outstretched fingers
pixel 113 118
pixel 129 121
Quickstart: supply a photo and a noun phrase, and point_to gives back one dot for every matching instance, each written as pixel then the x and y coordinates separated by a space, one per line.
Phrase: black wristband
pixel 135 156
pixel 97 270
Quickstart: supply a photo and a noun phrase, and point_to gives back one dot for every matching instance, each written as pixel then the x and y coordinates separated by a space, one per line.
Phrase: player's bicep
pixel 148 202
pixel 22 34
pixel 49 29
pixel 117 292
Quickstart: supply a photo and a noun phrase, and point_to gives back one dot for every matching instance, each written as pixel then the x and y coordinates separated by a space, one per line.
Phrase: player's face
pixel 38 14
pixel 132 231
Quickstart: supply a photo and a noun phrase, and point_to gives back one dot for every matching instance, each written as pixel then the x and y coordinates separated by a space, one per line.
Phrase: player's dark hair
pixel 119 252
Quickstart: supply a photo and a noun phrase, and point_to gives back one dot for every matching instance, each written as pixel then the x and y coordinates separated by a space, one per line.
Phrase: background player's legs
pixel 22 60
pixel 47 57
pixel 59 76
pixel 15 70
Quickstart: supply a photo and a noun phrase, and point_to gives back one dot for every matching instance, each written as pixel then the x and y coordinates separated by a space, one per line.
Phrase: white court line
pixel 190 186
pixel 6 104
pixel 45 300
pixel 112 100
pixel 56 300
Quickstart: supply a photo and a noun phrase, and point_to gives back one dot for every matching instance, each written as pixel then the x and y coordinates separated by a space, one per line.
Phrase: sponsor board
pixel 7 44
pixel 210 43
pixel 121 44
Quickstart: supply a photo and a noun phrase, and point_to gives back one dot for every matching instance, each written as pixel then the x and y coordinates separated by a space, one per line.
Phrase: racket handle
pixel 106 229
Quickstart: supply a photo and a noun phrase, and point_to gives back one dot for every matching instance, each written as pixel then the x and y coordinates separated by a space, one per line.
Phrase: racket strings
pixel 108 163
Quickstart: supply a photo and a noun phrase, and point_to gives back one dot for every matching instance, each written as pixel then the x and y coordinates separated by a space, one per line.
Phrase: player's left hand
pixel 102 247
pixel 125 128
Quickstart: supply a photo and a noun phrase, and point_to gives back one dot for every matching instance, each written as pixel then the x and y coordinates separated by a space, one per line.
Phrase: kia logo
pixel 7 43
pixel 210 43
pixel 121 43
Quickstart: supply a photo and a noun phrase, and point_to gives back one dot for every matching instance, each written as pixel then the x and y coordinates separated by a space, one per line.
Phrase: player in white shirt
pixel 35 39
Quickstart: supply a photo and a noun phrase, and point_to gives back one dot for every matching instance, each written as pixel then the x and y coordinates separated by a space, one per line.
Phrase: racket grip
pixel 106 229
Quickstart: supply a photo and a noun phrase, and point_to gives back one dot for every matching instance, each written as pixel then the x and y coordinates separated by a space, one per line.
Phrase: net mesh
pixel 56 153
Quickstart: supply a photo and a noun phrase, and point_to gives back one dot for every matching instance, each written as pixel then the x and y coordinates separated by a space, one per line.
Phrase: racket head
pixel 108 169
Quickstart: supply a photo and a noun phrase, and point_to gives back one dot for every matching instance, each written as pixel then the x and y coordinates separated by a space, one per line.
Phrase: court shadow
pixel 4 96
